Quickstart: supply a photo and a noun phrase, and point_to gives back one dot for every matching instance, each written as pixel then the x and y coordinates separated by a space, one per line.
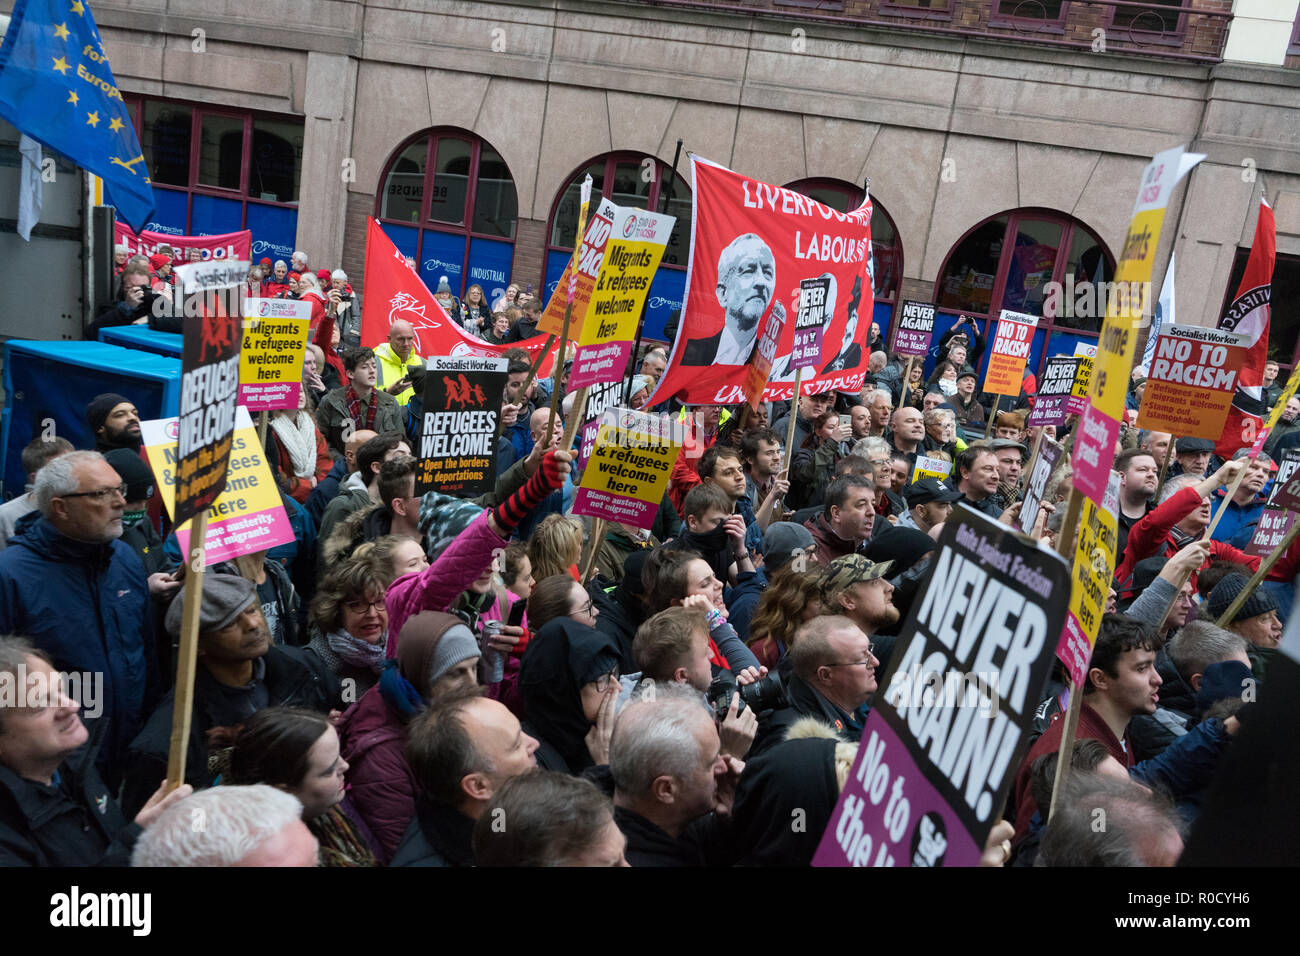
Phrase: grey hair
pixel 871 446
pixel 1135 818
pixel 655 737
pixel 59 477
pixel 881 393
pixel 281 262
pixel 934 414
pixel 730 256
pixel 122 247
pixel 339 274
pixel 1200 643
pixel 299 254
pixel 1177 484
pixel 14 652
pixel 216 827
pixel 310 279
pixel 1246 452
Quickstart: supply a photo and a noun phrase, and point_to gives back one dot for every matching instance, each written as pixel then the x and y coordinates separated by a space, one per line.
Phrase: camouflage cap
pixel 849 570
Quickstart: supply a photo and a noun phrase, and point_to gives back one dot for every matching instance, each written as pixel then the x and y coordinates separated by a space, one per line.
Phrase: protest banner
pixel 752 246
pixel 247 516
pixel 1094 446
pixel 1009 353
pixel 580 273
pixel 926 467
pixel 270 358
pixel 915 328
pixel 627 473
pixel 1280 509
pixel 951 721
pixel 1040 471
pixel 458 431
pixel 394 291
pixel 1052 404
pixel 1191 381
pixel 599 398
pixel 631 256
pixel 209 387
pixel 230 245
pixel 1091 575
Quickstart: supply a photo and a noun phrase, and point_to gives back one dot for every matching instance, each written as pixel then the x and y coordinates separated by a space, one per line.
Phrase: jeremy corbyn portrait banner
pixel 756 250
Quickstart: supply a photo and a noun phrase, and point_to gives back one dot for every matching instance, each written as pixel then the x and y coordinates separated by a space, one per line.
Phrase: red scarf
pixel 354 409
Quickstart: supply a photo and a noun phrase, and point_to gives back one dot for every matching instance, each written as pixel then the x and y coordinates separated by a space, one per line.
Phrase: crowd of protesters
pixel 413 669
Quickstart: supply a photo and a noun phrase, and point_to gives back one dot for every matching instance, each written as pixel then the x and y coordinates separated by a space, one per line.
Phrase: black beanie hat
pixel 100 406
pixel 1226 591
pixel 135 474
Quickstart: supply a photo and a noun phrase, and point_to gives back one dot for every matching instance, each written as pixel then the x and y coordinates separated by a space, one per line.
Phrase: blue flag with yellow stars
pixel 56 86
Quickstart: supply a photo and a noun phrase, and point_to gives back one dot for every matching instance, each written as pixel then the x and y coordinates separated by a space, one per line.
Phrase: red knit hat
pixel 324 277
pixel 265 262
pixel 295 276
pixel 158 260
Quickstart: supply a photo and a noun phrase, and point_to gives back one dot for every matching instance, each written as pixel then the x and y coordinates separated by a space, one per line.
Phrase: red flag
pixel 1248 314
pixel 393 291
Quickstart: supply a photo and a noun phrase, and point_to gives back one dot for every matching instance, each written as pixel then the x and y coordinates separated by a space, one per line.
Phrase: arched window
pixel 628 179
pixel 1011 260
pixel 886 248
pixel 447 198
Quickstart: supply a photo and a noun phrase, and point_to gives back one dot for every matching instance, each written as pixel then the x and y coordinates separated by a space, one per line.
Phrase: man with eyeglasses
pixel 81 595
pixel 239 672
pixel 834 675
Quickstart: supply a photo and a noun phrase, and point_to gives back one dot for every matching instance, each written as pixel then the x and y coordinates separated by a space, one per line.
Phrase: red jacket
pixel 324 333
pixel 272 287
pixel 1091 726
pixel 1151 536
pixel 381 785
pixel 300 488
pixel 685 474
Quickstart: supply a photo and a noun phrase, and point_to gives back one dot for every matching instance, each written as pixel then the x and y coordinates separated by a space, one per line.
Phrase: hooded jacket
pixel 1153 535
pixel 562 657
pixel 372 736
pixel 1151 734
pixel 75 822
pixel 290 677
pixel 87 606
pixel 1238 524
pixel 352 496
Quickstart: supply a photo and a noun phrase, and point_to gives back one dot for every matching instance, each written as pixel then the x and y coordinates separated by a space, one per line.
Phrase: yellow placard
pixel 626 476
pixel 1094 567
pixel 270 356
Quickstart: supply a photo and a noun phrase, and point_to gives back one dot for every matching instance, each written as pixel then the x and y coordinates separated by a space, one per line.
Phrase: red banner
pixel 236 246
pixel 752 246
pixel 393 291
pixel 1249 315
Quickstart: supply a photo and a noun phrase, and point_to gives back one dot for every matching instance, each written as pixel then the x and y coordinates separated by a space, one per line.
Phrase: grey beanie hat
pixel 225 596
pixel 780 541
pixel 457 644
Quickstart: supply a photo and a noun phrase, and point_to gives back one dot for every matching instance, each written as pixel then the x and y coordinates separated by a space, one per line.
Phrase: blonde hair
pixel 554 546
pixel 384 551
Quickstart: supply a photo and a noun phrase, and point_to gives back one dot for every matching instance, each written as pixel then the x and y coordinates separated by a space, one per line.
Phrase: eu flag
pixel 55 86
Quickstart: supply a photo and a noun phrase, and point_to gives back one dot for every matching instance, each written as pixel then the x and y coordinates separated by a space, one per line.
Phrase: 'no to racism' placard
pixel 209 386
pixel 458 433
pixel 950 722
pixel 1192 379
pixel 915 328
pixel 1010 353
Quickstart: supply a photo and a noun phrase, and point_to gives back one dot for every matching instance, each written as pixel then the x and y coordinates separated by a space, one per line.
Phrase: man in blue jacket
pixel 82 596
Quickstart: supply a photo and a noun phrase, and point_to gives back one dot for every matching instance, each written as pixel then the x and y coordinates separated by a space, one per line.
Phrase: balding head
pixel 358 439
pixel 537 425
pixel 401 338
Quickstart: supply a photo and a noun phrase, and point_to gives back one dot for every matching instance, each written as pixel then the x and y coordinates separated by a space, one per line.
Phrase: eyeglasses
pixel 363 607
pixel 99 494
pixel 871 649
pixel 587 608
pixel 604 680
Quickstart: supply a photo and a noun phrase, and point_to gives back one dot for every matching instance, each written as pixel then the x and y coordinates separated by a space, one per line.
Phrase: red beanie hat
pixel 265 262
pixel 158 260
pixel 295 276
pixel 324 277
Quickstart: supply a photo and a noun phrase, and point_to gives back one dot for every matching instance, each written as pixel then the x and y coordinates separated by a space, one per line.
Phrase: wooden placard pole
pixel 263 417
pixel 1227 497
pixel 541 357
pixel 907 379
pixel 592 549
pixel 187 655
pixel 557 372
pixel 1065 548
pixel 1265 566
pixel 1164 467
pixel 794 419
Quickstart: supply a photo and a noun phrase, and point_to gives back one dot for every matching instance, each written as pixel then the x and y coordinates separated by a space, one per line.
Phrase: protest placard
pixel 627 473
pixel 1009 353
pixel 1052 404
pixel 759 369
pixel 1082 382
pixel 915 328
pixel 950 723
pixel 631 256
pixel 209 386
pixel 1049 454
pixel 599 398
pixel 752 246
pixel 458 432
pixel 810 321
pixel 1277 518
pixel 247 516
pixel 926 467
pixel 1094 445
pixel 1192 379
pixel 590 255
pixel 270 359
pixel 1091 576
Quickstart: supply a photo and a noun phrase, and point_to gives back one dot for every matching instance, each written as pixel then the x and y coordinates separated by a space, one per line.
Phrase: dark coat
pixel 292 678
pixel 75 822
pixel 437 836
pixel 804 701
pixel 88 607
